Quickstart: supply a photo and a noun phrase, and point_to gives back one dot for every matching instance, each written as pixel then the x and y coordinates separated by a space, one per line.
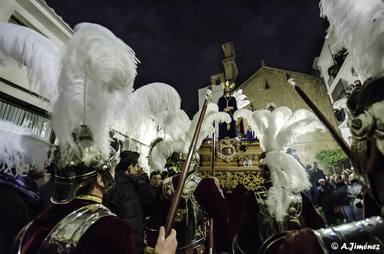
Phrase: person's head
pixel 129 163
pixel 195 162
pixel 155 178
pixel 314 165
pixel 228 87
pixel 352 177
pixel 344 177
pixel 338 179
pixel 80 179
pixel 164 174
pixel 322 182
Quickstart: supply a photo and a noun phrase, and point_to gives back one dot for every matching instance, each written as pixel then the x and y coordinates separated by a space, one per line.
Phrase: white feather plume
pixel 241 99
pixel 162 151
pixel 179 132
pixel 175 125
pixel 36 52
pixel 211 115
pixel 278 129
pixel 359 25
pixel 20 149
pixel 289 133
pixel 247 115
pixel 288 177
pixel 155 101
pixel 340 104
pixel 98 70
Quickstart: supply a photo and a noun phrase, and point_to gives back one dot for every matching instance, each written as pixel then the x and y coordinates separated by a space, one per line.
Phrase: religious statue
pixel 227 103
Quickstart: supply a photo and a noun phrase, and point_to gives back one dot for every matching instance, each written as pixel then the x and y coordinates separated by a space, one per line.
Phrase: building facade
pixel 269 85
pixel 339 73
pixel 20 100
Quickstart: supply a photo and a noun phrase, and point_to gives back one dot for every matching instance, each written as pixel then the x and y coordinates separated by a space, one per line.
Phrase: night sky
pixel 178 42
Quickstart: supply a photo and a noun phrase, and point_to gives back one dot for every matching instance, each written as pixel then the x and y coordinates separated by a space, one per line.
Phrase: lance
pixel 183 175
pixel 213 150
pixel 335 134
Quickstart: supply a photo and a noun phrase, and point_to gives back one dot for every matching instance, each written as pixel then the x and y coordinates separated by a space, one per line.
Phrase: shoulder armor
pixel 189 187
pixel 357 237
pixel 65 236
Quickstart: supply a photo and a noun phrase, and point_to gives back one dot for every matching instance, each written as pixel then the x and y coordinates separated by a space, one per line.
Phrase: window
pixel 39 125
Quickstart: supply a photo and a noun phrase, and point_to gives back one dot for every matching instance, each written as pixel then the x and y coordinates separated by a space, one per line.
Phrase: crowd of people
pixel 338 196
pixel 99 201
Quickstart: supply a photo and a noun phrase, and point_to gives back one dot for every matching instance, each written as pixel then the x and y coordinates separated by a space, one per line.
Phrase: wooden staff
pixel 213 147
pixel 183 175
pixel 335 134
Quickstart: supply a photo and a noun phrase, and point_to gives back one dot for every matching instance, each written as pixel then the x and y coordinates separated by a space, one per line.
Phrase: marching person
pixel 133 197
pixel 96 72
pixel 201 197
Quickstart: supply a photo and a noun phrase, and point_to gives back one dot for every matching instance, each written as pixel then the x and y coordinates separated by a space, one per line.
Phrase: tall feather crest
pixel 20 149
pixel 98 69
pixel 155 101
pixel 179 132
pixel 288 177
pixel 278 129
pixel 359 25
pixel 241 99
pixel 36 52
pixel 247 115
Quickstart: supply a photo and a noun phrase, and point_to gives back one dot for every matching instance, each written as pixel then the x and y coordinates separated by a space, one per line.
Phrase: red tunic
pixel 109 234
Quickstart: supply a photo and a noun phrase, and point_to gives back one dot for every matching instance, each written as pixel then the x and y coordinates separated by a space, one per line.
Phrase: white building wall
pixel 347 74
pixel 36 15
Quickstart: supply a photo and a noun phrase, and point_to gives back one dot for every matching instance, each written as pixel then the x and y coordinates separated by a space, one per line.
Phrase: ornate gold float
pixel 237 163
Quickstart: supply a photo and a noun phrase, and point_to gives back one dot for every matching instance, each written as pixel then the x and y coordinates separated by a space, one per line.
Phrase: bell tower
pixel 229 64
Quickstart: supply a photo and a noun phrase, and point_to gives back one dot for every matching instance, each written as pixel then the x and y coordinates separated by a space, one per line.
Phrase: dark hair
pixel 154 173
pixel 363 97
pixel 128 158
pixel 164 175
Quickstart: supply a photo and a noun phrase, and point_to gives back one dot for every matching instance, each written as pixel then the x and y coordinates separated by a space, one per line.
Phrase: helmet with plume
pixel 276 130
pixel 85 81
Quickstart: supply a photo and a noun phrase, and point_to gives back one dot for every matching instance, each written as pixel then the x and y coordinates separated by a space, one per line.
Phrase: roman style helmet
pixel 86 81
pixel 97 72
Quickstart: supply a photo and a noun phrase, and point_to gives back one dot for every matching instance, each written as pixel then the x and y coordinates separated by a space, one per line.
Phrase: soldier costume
pixel 279 204
pixel 200 198
pixel 359 26
pixel 96 68
pixel 20 153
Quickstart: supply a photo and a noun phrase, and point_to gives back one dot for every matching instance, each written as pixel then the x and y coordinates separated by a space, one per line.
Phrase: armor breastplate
pixel 269 226
pixel 365 236
pixel 65 236
pixel 189 219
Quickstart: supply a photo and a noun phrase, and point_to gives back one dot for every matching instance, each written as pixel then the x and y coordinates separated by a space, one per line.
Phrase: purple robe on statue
pixel 223 103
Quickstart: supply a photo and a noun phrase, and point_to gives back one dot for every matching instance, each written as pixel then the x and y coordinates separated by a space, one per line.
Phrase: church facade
pixel 269 85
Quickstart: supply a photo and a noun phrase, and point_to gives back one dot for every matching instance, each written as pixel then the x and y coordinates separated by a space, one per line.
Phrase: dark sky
pixel 178 42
